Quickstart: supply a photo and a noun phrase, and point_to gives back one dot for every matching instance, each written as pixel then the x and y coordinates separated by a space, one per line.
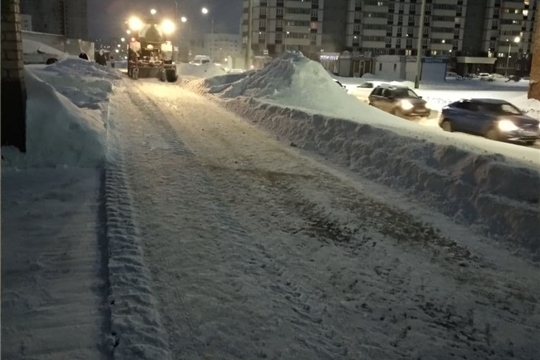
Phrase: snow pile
pixel 199 71
pixel 58 133
pixel 530 106
pixel 86 83
pixel 35 47
pixel 296 99
pixel 474 189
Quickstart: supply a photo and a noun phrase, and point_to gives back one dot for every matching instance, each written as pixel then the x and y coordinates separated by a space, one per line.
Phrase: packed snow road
pixel 255 251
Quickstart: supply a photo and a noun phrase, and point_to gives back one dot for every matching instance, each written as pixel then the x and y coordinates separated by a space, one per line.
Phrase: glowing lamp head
pixel 168 26
pixel 135 24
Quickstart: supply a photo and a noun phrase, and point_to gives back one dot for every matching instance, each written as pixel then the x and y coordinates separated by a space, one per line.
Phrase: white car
pixel 363 90
pixel 485 77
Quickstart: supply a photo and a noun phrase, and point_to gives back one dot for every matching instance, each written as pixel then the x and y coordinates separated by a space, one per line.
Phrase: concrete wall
pixel 13 88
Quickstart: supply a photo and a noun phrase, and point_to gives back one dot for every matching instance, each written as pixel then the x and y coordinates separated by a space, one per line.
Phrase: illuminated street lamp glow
pixel 183 19
pixel 128 32
pixel 117 51
pixel 153 11
pixel 204 10
pixel 168 26
pixel 135 23
pixel 123 39
pixel 119 45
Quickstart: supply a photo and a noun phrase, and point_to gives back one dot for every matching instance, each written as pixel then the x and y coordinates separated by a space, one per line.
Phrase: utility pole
pixel 534 84
pixel 249 39
pixel 176 35
pixel 419 46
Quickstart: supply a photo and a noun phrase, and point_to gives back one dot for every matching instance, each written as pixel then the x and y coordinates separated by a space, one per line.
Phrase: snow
pixel 199 71
pixel 58 132
pixel 469 179
pixel 54 268
pixel 203 237
pixel 35 47
pixel 255 251
pixel 86 83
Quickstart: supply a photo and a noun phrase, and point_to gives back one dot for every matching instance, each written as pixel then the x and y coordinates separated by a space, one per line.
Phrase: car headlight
pixel 406 105
pixel 507 125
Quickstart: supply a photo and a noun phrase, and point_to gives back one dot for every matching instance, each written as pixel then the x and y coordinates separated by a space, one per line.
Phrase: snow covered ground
pixel 205 238
pixel 472 181
pixel 54 275
pixel 254 250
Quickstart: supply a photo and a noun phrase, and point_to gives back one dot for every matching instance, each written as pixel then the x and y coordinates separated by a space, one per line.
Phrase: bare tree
pixel 13 87
pixel 534 87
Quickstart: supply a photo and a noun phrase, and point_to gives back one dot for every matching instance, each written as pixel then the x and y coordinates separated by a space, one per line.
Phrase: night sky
pixel 106 17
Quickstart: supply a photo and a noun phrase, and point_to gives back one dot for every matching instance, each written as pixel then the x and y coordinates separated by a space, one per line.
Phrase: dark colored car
pixel 398 100
pixel 492 118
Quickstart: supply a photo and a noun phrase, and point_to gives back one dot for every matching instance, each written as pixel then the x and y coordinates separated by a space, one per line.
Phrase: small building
pixel 354 64
pixel 395 67
pixel 26 22
pixel 474 65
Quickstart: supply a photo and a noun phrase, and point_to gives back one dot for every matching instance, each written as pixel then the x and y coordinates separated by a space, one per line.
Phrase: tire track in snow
pixel 282 283
pixel 136 329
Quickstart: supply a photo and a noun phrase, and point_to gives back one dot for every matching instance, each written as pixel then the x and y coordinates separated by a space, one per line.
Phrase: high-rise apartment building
pixel 476 34
pixel 65 17
pixel 221 45
pixel 280 25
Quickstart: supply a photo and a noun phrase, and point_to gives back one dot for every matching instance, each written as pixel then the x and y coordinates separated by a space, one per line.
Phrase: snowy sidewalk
pixel 53 276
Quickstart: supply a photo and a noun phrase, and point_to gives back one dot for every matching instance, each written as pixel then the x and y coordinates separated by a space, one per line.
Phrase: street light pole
pixel 213 41
pixel 249 39
pixel 419 46
pixel 508 58
pixel 174 54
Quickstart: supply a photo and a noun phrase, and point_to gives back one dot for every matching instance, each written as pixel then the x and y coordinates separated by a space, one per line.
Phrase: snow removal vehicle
pixel 150 49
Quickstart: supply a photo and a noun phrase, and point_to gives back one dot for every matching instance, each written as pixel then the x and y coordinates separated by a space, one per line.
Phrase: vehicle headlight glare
pixel 406 105
pixel 507 125
pixel 168 26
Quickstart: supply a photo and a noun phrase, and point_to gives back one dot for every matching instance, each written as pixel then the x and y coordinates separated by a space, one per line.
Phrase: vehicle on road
pixel 399 100
pixel 492 118
pixel 150 49
pixel 486 77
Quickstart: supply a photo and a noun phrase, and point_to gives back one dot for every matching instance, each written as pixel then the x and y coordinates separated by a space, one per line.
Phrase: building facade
pixel 479 35
pixel 220 45
pixel 64 17
pixel 280 25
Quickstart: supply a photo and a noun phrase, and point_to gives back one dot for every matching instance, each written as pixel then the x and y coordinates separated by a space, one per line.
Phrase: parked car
pixel 363 90
pixel 399 100
pixel 486 77
pixel 453 76
pixel 492 118
pixel 340 84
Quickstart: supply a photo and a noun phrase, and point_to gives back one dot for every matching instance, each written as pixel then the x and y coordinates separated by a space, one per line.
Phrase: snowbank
pixel 472 188
pixel 86 83
pixel 35 47
pixel 58 133
pixel 296 99
pixel 199 71
pixel 529 106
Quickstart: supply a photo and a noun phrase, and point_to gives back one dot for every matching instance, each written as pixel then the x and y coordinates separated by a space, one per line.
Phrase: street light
pixel 183 19
pixel 517 39
pixel 153 11
pixel 205 11
pixel 128 32
pixel 123 39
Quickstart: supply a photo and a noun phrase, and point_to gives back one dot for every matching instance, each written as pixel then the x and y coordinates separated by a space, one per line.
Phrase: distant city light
pixel 204 10
pixel 153 11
